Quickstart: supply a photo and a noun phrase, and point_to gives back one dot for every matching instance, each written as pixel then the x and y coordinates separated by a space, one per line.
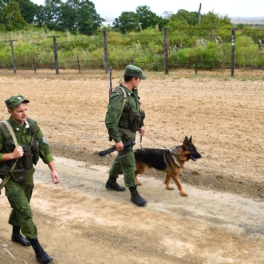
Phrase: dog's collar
pixel 175 161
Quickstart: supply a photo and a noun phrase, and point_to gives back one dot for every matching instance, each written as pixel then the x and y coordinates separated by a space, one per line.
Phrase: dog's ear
pixel 190 140
pixel 185 142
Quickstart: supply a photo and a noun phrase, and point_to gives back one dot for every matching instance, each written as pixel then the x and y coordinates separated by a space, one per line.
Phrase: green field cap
pixel 15 100
pixel 134 71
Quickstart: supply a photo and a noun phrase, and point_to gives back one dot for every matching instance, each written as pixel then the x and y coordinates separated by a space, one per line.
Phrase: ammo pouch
pixel 136 119
pixel 126 133
pixel 4 170
pixel 21 176
pixel 27 158
pixel 35 150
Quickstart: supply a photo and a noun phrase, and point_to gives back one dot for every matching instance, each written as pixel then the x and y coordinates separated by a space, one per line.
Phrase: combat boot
pixel 111 184
pixel 18 238
pixel 41 256
pixel 135 197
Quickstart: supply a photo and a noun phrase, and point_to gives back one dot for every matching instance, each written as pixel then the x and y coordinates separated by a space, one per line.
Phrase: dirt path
pixel 221 221
pixel 81 222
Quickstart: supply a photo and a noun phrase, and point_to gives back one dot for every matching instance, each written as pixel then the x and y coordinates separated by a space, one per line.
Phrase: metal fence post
pixel 34 66
pixel 196 66
pixel 79 65
pixel 166 66
pixel 233 54
pixel 56 55
pixel 105 52
pixel 13 56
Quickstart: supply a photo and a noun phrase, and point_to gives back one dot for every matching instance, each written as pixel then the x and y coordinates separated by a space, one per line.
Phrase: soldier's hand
pixel 119 146
pixel 18 152
pixel 142 131
pixel 55 177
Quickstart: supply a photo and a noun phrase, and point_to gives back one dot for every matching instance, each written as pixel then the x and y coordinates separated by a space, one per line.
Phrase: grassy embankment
pixel 212 48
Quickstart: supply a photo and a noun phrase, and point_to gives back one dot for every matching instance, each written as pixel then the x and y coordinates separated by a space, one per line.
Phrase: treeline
pixel 134 35
pixel 144 18
pixel 145 48
pixel 73 15
pixel 80 16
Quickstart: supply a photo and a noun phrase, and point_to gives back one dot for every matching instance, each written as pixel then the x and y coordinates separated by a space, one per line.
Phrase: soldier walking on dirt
pixel 123 119
pixel 21 145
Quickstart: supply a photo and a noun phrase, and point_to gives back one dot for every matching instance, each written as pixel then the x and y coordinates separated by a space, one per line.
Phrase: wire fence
pixel 171 58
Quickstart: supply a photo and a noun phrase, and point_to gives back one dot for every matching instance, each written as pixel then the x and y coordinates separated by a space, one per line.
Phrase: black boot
pixel 135 197
pixel 111 184
pixel 18 238
pixel 41 256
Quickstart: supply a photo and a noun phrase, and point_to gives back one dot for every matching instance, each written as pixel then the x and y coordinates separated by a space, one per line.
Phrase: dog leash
pixel 141 136
pixel 175 162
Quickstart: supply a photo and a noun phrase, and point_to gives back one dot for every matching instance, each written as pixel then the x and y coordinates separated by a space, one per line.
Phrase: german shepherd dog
pixel 170 161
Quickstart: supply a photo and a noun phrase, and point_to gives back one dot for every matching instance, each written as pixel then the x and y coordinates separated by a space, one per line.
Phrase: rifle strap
pixel 6 179
pixel 4 182
pixel 11 132
pixel 124 102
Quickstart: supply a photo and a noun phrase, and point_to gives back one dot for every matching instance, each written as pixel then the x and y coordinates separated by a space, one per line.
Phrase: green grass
pixel 146 46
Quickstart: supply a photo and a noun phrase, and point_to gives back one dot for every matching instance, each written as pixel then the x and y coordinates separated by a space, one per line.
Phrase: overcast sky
pixel 232 8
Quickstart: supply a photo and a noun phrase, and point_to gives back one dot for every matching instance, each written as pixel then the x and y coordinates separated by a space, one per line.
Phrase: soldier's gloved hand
pixel 119 146
pixel 18 152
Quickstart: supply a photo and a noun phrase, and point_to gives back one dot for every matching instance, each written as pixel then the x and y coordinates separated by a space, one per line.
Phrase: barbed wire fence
pixel 165 63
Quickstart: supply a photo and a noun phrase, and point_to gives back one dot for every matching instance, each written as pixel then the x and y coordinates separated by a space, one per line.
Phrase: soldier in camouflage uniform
pixel 19 194
pixel 120 129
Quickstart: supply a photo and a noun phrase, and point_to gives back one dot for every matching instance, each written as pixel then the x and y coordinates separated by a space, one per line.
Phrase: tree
pixel 149 19
pixel 127 22
pixel 212 20
pixel 167 14
pixel 79 15
pixel 2 16
pixel 67 18
pixel 40 15
pixel 27 9
pixel 12 17
pixel 192 18
pixel 94 20
pixel 52 8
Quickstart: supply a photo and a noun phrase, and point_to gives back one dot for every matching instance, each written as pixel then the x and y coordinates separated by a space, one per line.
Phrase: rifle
pixel 113 148
pixel 110 91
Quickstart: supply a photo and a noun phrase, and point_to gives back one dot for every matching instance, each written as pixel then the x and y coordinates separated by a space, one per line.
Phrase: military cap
pixel 15 100
pixel 134 71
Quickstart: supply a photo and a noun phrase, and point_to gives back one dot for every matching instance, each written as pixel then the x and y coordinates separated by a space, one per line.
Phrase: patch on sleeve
pixel 44 140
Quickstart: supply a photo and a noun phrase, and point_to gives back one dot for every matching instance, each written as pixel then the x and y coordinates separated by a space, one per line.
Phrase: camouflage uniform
pixel 124 164
pixel 19 196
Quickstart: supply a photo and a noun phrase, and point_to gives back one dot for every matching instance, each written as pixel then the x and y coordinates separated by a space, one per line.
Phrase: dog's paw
pixel 183 193
pixel 170 188
pixel 139 183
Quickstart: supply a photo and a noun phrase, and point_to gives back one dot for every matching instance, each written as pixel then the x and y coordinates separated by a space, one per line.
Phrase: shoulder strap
pixel 14 140
pixel 123 93
pixel 11 132
pixel 124 102
pixel 6 127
